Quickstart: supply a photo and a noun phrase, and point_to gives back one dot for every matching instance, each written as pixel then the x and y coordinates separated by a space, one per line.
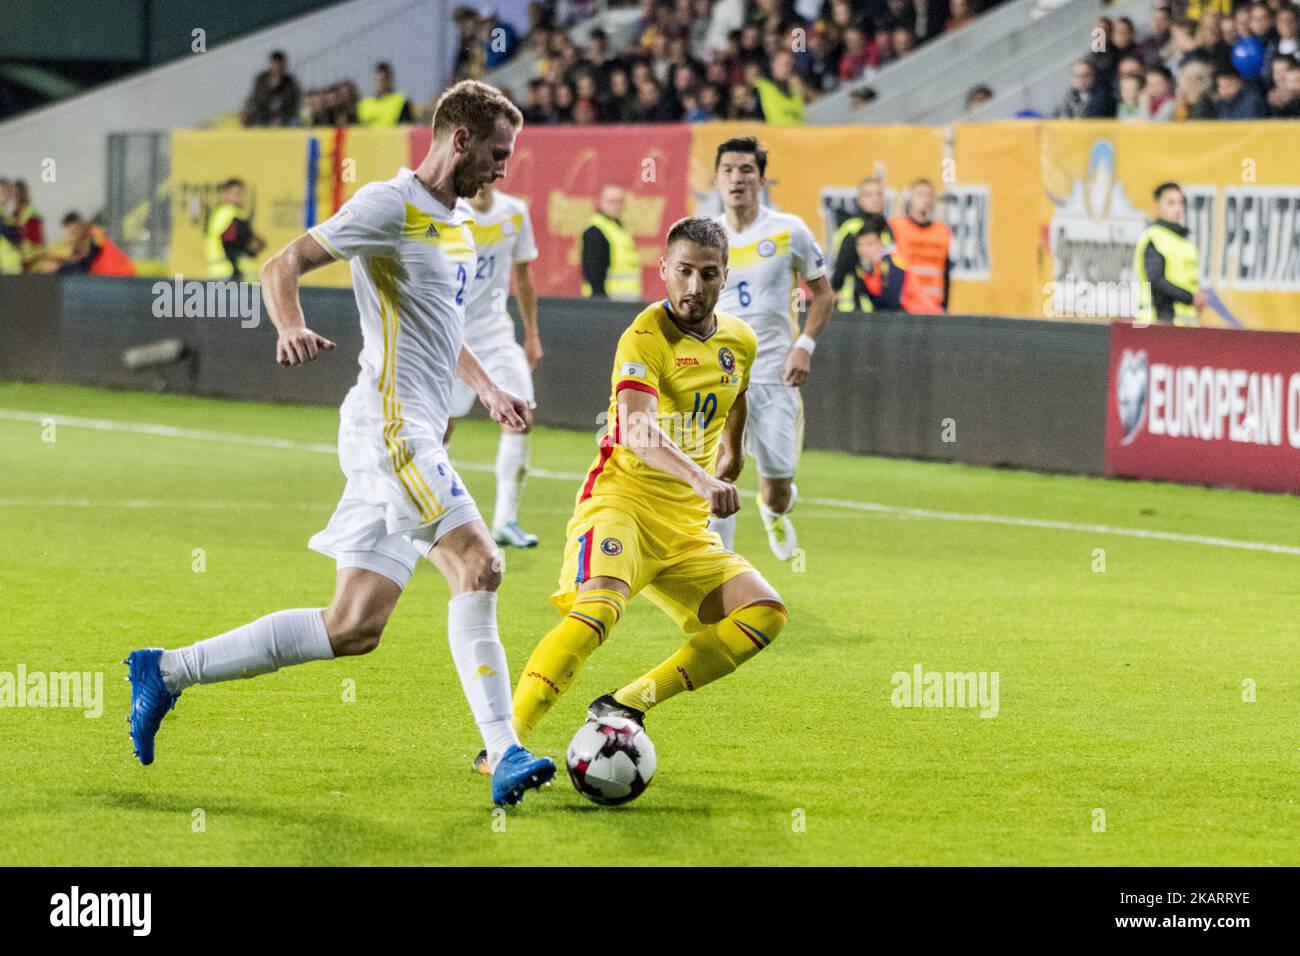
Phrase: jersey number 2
pixel 461 276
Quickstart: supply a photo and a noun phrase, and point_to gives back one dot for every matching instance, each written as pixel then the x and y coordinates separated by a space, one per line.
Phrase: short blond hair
pixel 475 106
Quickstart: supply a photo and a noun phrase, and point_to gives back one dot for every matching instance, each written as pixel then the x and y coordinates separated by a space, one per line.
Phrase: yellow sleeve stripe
pixel 315 234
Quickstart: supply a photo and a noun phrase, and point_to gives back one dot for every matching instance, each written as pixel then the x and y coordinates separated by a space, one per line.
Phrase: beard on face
pixel 694 312
pixel 464 183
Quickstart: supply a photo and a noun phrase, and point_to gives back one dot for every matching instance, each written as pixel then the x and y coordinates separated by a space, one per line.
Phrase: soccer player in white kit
pixel 769 251
pixel 411 253
pixel 503 238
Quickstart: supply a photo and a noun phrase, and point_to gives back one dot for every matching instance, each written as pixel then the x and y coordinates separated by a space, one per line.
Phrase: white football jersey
pixel 412 262
pixel 762 267
pixel 503 236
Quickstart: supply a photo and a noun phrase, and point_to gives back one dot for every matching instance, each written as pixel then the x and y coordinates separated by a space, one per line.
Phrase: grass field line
pixel 191 434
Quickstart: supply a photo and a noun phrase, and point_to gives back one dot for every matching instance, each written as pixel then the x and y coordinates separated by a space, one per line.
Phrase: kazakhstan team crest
pixel 727 359
pixel 766 248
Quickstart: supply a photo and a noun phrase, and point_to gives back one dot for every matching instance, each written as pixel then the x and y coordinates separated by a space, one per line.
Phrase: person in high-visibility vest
pixel 11 237
pixel 611 266
pixel 781 96
pixel 229 243
pixel 387 108
pixel 871 203
pixel 1167 265
pixel 882 281
pixel 31 225
pixel 922 243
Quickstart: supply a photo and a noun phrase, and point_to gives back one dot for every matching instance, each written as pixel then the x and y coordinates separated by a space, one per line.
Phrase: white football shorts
pixel 774 429
pixel 508 366
pixel 388 519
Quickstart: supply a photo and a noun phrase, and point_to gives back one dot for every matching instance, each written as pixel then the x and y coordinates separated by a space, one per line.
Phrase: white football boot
pixel 780 531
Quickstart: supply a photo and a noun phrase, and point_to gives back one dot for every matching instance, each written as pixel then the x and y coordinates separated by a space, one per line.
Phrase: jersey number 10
pixel 704 410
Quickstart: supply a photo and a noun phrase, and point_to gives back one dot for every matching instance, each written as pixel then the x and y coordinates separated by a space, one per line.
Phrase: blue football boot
pixel 518 772
pixel 150 700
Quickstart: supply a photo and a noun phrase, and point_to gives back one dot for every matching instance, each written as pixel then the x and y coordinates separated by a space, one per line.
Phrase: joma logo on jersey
pixel 687 360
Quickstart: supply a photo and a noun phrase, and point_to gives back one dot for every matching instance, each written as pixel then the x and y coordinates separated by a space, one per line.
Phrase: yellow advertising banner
pixel 990 191
pixel 278 166
pixel 1242 184
pixel 1044 215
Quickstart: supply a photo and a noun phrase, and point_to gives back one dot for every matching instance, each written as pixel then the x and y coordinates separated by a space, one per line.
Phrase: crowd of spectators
pixel 699 60
pixel 1227 62
pixel 278 100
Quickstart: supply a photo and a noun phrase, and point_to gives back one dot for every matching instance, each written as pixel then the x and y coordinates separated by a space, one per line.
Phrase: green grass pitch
pixel 1121 692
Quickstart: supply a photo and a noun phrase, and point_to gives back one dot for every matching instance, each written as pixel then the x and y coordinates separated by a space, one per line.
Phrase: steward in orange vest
pixel 922 243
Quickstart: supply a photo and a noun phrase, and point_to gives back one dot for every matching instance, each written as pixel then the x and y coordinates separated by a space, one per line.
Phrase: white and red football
pixel 611 760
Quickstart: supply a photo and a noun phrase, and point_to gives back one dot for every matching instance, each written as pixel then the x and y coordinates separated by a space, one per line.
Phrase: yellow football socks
pixel 712 653
pixel 559 656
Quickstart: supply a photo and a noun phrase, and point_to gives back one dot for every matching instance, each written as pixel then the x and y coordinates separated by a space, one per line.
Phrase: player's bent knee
pixel 761 621
pixel 482 570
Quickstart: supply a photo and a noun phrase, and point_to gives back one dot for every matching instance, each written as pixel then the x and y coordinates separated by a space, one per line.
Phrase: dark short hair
pixel 278 56
pixel 872 223
pixel 231 183
pixel 742 144
pixel 72 218
pixel 384 67
pixel 697 229
pixel 1223 71
pixel 1164 188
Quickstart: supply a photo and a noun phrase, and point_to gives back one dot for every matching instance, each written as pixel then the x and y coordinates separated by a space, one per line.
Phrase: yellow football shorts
pixel 676 565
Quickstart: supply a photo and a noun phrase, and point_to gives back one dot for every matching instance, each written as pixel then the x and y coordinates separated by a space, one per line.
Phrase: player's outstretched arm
pixel 526 296
pixel 638 414
pixel 280 274
pixel 799 362
pixel 731 453
pixel 506 408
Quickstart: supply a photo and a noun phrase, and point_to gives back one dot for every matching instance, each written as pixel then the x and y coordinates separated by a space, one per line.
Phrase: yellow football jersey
pixel 696 381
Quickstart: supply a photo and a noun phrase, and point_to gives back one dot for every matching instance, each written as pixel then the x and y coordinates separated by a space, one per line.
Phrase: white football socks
pixel 481 664
pixel 265 645
pixel 512 468
pixel 726 529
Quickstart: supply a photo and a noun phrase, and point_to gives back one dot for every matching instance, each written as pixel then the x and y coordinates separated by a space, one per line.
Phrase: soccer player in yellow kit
pixel 669 460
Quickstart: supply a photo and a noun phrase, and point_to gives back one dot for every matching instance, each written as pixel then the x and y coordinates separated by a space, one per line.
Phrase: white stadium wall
pixel 340 42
